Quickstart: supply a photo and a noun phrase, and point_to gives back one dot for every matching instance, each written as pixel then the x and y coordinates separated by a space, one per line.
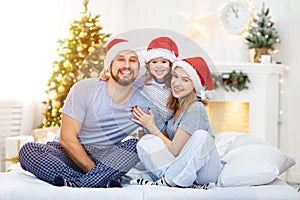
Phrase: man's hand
pixel 69 141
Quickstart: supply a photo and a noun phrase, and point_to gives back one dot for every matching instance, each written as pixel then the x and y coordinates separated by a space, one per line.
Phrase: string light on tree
pixel 80 56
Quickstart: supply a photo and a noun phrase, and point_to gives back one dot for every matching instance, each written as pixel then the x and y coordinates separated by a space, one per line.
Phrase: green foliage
pixel 231 81
pixel 262 33
pixel 80 56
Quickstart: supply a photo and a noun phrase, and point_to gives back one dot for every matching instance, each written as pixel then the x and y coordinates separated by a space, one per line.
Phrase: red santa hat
pixel 199 73
pixel 113 48
pixel 162 47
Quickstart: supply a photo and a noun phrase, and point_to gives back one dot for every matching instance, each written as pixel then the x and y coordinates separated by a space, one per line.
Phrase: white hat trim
pixel 191 72
pixel 159 52
pixel 114 50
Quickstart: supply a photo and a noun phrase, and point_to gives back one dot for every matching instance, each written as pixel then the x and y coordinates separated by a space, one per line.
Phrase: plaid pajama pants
pixel 47 161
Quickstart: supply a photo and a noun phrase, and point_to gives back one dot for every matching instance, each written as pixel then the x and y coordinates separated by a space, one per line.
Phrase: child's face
pixel 159 68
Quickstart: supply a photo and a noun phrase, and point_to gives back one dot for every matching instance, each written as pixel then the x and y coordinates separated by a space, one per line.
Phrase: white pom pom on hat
pixel 163 47
pixel 199 73
pixel 113 48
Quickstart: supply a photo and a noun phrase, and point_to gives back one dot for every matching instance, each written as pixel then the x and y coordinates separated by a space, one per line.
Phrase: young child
pixel 160 55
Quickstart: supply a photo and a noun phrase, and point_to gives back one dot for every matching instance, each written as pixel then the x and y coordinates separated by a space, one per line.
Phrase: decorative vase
pixel 259 52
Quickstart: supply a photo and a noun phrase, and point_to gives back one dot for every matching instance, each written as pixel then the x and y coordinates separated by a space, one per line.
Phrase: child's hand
pixel 141 133
pixel 146 120
pixel 104 75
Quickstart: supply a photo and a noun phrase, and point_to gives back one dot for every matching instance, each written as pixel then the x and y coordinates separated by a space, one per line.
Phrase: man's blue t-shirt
pixel 104 122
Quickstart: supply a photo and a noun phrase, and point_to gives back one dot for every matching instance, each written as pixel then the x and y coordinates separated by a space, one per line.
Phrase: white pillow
pixel 253 164
pixel 224 140
pixel 228 141
pixel 244 139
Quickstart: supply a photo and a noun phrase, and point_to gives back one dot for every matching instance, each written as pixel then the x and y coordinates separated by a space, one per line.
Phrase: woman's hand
pixel 145 120
pixel 148 122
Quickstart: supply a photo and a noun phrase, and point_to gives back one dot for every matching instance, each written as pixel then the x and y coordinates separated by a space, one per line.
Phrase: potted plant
pixel 262 36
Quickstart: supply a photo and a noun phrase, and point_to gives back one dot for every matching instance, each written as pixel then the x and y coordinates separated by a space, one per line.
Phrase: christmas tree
pixel 262 34
pixel 80 56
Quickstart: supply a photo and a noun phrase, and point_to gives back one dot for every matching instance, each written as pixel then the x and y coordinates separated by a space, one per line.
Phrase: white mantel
pixel 263 96
pixel 249 68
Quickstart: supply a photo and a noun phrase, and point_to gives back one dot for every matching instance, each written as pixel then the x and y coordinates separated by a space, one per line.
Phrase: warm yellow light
pixel 287 67
pixel 229 116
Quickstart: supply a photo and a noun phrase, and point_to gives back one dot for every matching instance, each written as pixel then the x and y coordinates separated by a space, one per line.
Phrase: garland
pixel 231 81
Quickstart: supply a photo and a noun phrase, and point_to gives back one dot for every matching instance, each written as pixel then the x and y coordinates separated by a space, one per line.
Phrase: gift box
pixel 44 135
pixel 12 148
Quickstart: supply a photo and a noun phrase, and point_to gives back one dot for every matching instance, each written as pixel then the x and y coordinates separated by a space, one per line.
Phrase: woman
pixel 187 156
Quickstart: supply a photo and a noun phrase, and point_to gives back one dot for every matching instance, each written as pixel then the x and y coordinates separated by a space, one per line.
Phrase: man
pixel 89 152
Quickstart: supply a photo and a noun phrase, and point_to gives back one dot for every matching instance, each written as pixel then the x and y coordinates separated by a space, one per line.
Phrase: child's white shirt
pixel 158 94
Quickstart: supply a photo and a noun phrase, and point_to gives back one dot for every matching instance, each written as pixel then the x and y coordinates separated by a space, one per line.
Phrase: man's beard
pixel 124 81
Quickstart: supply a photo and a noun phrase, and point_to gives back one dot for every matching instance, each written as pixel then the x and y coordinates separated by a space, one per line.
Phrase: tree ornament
pixel 61 89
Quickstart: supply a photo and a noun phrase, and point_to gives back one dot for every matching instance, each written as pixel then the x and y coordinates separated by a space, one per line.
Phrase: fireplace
pixel 258 106
pixel 228 116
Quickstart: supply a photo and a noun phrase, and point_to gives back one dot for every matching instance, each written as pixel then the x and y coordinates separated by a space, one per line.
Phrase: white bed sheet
pixel 18 184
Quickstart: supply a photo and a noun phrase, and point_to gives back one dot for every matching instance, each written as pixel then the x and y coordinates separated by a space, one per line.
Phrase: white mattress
pixel 18 184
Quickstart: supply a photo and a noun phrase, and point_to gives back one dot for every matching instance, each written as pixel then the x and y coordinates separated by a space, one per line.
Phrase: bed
pixel 251 172
pixel 19 185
